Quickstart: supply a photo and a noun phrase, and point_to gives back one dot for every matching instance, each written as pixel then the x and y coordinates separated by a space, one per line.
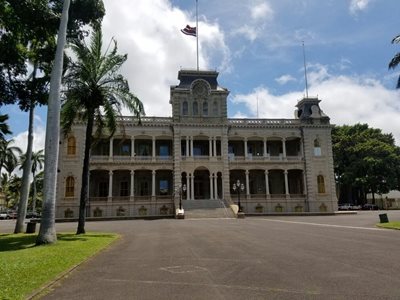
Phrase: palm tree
pixel 396 59
pixel 37 164
pixel 96 94
pixel 8 156
pixel 47 231
pixel 4 129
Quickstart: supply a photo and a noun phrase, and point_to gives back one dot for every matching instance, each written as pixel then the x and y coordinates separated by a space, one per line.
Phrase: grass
pixel 390 225
pixel 26 267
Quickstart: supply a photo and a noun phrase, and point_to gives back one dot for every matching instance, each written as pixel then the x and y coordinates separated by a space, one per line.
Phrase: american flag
pixel 189 30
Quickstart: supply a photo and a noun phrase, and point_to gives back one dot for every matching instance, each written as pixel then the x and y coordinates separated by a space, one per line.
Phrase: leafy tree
pixel 396 59
pixel 11 189
pixel 96 94
pixel 28 30
pixel 365 161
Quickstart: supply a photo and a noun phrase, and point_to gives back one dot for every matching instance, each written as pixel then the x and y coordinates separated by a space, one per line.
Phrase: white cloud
pixel 247 31
pixel 21 140
pixel 39 134
pixel 261 10
pixel 149 31
pixel 285 79
pixel 345 99
pixel 358 5
pixel 254 25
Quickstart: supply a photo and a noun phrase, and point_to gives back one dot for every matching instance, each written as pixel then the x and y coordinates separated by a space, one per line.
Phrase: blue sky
pixel 256 45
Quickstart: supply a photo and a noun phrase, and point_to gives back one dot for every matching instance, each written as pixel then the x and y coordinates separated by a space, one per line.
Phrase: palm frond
pixel 395 61
pixel 396 39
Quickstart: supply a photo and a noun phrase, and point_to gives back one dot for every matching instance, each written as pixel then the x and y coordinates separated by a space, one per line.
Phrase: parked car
pixel 369 206
pixel 355 207
pixel 12 214
pixel 31 214
pixel 344 206
pixel 3 215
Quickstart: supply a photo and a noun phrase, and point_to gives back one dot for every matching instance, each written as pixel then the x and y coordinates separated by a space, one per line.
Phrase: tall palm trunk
pixel 34 193
pixel 47 232
pixel 85 175
pixel 23 200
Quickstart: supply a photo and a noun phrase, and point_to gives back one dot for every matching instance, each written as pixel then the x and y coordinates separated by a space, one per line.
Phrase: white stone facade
pixel 285 165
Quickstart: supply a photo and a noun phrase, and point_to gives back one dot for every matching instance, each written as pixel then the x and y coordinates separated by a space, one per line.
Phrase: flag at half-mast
pixel 189 30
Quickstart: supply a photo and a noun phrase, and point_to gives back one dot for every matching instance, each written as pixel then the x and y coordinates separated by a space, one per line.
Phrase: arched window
pixel 69 186
pixel 184 108
pixel 317 148
pixel 71 145
pixel 215 108
pixel 195 108
pixel 205 108
pixel 321 184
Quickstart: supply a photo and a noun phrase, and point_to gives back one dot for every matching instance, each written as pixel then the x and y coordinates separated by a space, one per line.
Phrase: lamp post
pixel 238 187
pixel 182 189
pixel 180 213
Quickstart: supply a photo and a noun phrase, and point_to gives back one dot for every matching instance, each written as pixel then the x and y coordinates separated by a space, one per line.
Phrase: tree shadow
pixel 14 242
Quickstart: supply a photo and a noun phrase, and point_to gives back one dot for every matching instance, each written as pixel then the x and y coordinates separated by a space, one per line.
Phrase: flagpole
pixel 305 70
pixel 197 34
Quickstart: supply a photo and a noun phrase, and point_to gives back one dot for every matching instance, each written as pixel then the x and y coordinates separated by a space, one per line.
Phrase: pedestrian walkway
pixel 238 259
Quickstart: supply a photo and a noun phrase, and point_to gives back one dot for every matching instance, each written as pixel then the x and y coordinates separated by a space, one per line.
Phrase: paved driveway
pixel 337 257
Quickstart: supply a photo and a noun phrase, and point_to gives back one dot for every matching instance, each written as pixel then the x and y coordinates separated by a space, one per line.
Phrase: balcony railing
pixel 125 158
pixel 263 121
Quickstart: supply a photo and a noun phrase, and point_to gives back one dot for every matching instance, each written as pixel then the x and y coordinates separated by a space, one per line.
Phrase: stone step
pixel 209 213
pixel 195 204
pixel 206 209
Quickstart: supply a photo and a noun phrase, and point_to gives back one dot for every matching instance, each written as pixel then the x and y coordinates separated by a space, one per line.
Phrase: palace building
pixel 195 157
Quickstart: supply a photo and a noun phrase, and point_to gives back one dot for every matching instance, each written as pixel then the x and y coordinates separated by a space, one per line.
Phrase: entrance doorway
pixel 201 184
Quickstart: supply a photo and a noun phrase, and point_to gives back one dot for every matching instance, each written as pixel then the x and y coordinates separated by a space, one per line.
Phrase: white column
pixel 153 183
pixel 266 183
pixel 245 148
pixel 210 150
pixel 215 146
pixel 132 183
pixel 192 191
pixel 132 147
pixel 247 183
pixel 191 146
pixel 215 186
pixel 211 187
pixel 187 147
pixel 111 147
pixel 284 148
pixel 286 183
pixel 110 184
pixel 154 147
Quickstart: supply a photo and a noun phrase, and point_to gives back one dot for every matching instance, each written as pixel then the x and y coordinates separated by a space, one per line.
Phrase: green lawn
pixel 26 267
pixel 390 225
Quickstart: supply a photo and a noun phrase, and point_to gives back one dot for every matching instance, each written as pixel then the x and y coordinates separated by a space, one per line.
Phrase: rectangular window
pixel 163 187
pixel 317 151
pixel 164 150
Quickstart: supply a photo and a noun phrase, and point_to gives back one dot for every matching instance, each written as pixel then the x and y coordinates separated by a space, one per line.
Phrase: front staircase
pixel 195 209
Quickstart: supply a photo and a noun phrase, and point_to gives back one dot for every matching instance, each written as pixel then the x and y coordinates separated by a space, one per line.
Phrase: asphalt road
pixel 331 257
